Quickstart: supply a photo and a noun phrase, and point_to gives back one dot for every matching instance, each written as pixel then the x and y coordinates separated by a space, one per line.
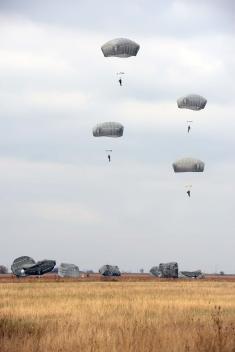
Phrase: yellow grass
pixel 117 316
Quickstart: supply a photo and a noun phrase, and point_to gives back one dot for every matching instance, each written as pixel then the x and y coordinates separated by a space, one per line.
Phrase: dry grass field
pixel 67 316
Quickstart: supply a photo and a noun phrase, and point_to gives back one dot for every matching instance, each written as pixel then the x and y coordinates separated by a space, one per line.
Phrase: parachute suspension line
pixel 188 165
pixel 109 151
pixel 189 125
pixel 120 79
pixel 108 129
pixel 192 102
pixel 188 187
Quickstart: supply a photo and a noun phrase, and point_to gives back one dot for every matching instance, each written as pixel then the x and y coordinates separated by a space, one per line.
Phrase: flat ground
pixel 50 277
pixel 51 314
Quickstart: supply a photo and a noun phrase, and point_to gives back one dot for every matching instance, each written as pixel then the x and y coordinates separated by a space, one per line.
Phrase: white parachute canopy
pixel 68 270
pixel 188 165
pixel 192 102
pixel 120 47
pixel 108 129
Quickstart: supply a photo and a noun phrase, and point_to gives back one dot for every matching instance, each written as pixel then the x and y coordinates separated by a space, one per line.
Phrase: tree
pixel 3 269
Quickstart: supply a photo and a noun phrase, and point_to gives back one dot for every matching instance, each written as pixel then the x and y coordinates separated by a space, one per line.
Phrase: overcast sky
pixel 59 196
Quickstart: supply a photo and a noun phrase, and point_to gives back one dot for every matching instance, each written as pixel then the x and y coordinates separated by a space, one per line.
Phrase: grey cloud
pixel 56 182
pixel 182 18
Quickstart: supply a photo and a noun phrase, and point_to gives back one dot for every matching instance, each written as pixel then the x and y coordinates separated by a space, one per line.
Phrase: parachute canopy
pixel 188 165
pixel 110 270
pixel 155 271
pixel 20 264
pixel 191 274
pixel 168 270
pixel 24 266
pixel 165 270
pixel 108 129
pixel 120 47
pixel 68 270
pixel 192 102
pixel 41 267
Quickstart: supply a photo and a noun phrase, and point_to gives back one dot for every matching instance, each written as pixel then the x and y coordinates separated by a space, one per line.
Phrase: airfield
pixel 96 277
pixel 136 313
